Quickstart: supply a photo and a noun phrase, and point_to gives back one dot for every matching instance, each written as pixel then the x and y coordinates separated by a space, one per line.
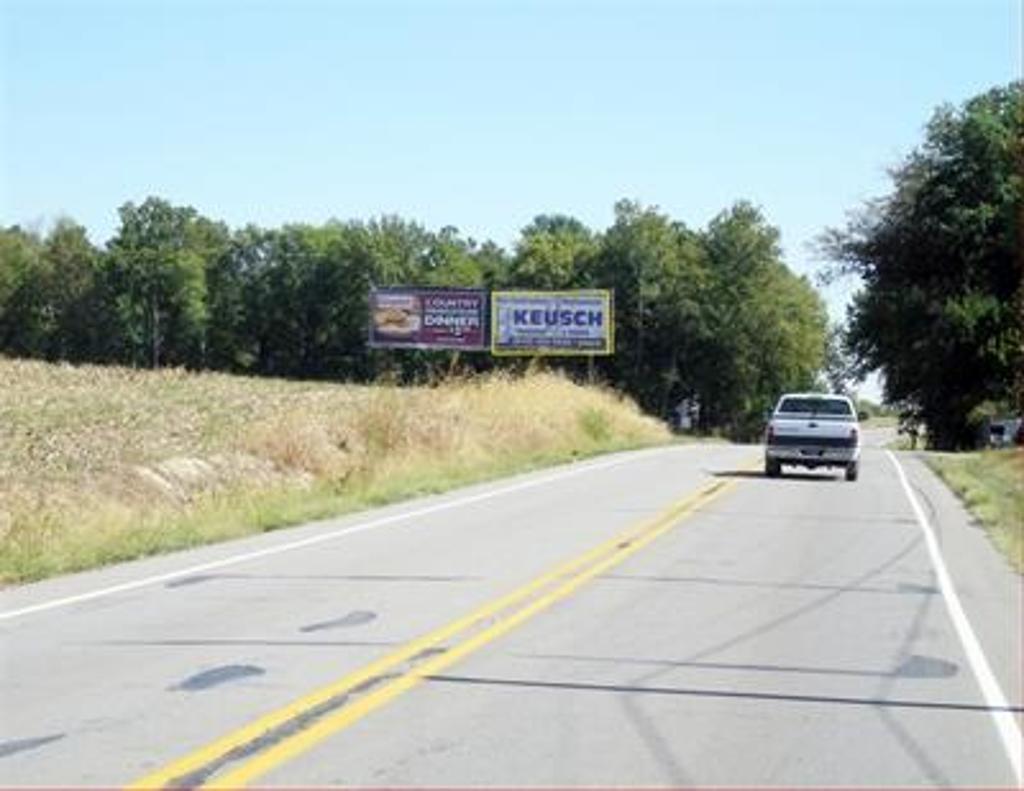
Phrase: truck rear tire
pixel 852 470
pixel 772 469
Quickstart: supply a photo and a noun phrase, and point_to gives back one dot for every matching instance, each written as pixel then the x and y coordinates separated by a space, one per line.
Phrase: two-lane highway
pixel 667 617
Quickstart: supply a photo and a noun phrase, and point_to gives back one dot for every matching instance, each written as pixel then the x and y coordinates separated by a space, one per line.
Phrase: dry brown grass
pixel 99 464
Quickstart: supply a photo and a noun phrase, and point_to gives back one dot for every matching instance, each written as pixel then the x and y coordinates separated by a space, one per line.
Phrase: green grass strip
pixel 991 485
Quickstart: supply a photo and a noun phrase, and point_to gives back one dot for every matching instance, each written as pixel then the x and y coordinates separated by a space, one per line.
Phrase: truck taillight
pixel 769 434
pixel 853 436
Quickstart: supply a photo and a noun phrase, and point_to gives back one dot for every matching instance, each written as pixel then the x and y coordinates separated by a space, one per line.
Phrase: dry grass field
pixel 101 464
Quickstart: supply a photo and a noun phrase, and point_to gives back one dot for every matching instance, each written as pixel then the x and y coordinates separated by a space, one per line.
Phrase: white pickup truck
pixel 813 430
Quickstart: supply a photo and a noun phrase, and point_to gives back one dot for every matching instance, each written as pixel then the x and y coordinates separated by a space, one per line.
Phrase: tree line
pixel 712 314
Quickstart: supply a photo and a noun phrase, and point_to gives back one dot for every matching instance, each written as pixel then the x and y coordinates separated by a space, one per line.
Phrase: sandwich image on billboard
pixel 428 318
pixel 552 322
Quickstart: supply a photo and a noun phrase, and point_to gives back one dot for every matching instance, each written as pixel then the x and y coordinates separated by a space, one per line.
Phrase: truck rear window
pixel 816 406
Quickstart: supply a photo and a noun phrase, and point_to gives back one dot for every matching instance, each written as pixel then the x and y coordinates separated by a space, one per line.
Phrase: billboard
pixel 552 322
pixel 428 318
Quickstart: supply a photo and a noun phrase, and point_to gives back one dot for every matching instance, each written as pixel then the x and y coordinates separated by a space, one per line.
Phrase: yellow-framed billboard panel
pixel 552 323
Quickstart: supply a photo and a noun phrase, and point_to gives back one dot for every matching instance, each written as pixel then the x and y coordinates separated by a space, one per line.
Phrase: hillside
pixel 104 464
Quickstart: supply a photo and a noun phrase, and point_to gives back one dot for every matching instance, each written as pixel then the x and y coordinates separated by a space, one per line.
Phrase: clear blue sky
pixel 480 114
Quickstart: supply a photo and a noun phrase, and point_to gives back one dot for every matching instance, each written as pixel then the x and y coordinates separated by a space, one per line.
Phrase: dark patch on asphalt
pixel 20 745
pixel 354 618
pixel 926 667
pixel 276 735
pixel 218 675
pixel 195 579
pixel 298 723
pixel 906 587
pixel 426 653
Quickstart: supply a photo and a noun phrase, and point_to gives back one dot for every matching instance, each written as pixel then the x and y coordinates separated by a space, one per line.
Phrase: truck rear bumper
pixel 812 456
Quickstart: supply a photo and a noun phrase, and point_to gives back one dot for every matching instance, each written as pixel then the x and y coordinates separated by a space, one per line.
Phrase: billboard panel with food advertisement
pixel 428 318
pixel 579 323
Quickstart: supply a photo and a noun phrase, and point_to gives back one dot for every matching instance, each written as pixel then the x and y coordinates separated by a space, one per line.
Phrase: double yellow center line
pixel 236 759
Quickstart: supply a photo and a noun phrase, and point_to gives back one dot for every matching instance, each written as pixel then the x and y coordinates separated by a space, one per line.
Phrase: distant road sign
pixel 579 323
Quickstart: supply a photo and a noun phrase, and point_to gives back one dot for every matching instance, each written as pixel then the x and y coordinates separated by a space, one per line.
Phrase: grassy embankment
pixel 106 464
pixel 991 484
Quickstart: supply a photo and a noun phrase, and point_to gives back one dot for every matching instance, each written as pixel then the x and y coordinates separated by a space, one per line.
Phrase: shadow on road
pixel 720 693
pixel 789 476
pixel 914 666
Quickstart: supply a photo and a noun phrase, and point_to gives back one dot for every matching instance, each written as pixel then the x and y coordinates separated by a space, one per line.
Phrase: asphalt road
pixel 702 625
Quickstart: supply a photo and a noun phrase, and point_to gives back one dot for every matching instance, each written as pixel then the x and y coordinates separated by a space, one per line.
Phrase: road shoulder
pixel 991 592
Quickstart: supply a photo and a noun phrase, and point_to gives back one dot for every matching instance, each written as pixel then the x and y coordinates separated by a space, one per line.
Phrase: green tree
pixel 838 369
pixel 230 343
pixel 305 300
pixel 657 270
pixel 397 249
pixel 74 299
pixel 553 252
pixel 48 298
pixel 940 259
pixel 26 319
pixel 157 267
pixel 449 261
pixel 765 327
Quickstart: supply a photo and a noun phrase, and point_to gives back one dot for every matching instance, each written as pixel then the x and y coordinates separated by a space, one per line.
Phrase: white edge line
pixel 1006 724
pixel 319 539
